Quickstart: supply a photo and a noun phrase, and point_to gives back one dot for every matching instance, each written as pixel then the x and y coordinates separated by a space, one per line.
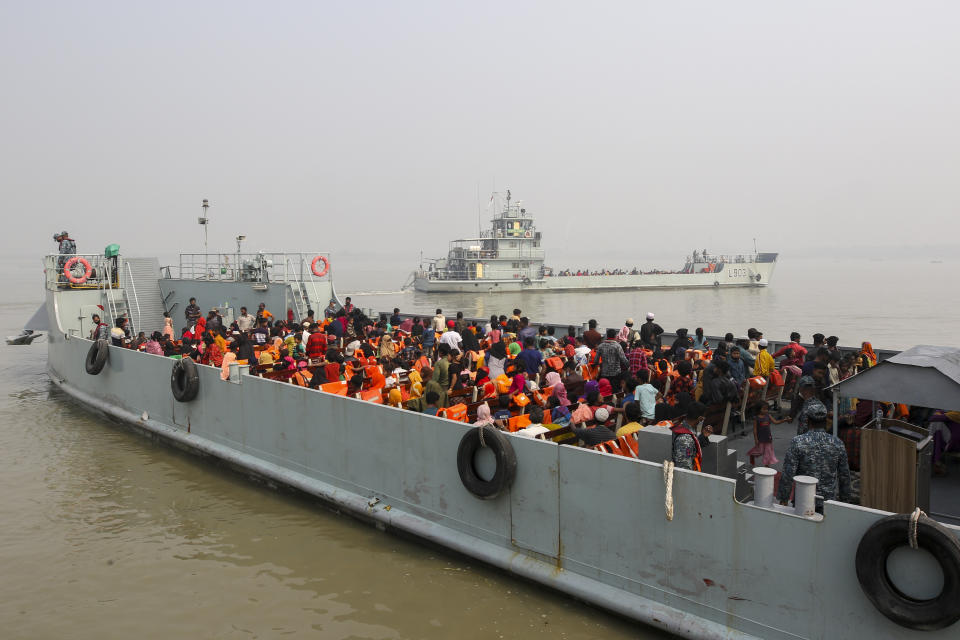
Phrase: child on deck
pixel 763 436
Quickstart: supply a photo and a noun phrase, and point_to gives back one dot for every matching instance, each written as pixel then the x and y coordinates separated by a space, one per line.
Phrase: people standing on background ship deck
pixel 245 321
pixel 192 312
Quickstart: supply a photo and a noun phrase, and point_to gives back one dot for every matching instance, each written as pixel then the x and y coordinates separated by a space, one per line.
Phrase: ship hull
pixel 748 275
pixel 588 524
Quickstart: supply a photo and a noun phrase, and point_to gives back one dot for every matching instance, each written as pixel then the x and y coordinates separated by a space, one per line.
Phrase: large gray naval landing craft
pixel 509 256
pixel 695 555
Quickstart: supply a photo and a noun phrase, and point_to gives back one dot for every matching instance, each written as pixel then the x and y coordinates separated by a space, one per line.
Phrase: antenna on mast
pixel 479 213
pixel 755 245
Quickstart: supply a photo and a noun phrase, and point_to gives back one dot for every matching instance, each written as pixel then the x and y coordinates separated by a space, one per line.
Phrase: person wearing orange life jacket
pixel 535 427
pixel 687 445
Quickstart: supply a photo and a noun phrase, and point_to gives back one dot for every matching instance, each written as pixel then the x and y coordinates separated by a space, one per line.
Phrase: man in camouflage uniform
pixel 811 405
pixel 687 445
pixel 65 247
pixel 819 454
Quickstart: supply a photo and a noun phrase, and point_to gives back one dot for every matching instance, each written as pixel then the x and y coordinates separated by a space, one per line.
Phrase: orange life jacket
pixel 457 412
pixel 518 422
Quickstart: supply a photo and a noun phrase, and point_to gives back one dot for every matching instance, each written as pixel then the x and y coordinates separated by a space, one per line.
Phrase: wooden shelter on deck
pixel 895 455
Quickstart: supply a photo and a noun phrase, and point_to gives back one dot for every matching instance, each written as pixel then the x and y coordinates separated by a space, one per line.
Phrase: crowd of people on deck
pixel 587 388
pixel 608 272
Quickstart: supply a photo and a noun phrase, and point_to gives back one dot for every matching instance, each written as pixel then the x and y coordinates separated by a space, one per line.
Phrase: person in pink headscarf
pixel 168 326
pixel 228 357
pixel 560 393
pixel 551 379
pixel 484 417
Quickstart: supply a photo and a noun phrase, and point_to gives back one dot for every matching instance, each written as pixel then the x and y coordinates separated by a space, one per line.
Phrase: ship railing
pixel 102 273
pixel 136 299
pixel 258 267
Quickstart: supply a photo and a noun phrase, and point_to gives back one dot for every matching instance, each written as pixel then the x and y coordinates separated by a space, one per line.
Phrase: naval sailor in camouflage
pixel 811 405
pixel 819 454
pixel 65 247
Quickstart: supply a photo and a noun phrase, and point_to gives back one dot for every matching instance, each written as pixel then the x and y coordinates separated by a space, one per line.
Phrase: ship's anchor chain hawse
pixel 923 533
pixel 486 437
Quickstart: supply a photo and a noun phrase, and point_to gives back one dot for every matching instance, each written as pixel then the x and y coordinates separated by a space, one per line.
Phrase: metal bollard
pixel 804 495
pixel 763 486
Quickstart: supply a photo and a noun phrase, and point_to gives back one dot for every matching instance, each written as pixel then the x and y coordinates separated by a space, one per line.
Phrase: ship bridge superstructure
pixel 509 250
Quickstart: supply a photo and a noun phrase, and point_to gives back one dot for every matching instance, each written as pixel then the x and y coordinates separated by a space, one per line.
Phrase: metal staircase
pixel 138 296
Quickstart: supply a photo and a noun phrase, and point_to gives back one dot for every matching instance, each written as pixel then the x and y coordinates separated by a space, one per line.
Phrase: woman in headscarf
pixel 496 359
pixel 266 358
pixel 228 357
pixel 245 349
pixel 489 390
pixel 604 387
pixel 153 344
pixel 220 341
pixel 212 355
pixel 168 326
pixel 386 348
pixel 591 386
pixel 552 379
pixel 469 340
pixel 482 377
pixel 869 357
pixel 274 347
pixel 287 360
pixel 395 398
pixel 416 384
pixel 374 377
pixel 484 417
pixel 560 393
pixel 290 342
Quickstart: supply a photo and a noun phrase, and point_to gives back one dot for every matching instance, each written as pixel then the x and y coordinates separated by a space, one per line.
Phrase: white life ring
pixel 68 270
pixel 326 266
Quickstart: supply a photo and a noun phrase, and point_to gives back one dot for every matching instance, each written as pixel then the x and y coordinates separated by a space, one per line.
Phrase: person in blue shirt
pixel 530 357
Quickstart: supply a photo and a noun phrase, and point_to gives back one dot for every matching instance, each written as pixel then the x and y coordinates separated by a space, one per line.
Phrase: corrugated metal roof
pixel 946 360
pixel 925 375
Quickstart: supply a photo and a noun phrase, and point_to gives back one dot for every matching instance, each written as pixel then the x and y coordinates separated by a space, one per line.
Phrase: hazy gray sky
pixel 336 126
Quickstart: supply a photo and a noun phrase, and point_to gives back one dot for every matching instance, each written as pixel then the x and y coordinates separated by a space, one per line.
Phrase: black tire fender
pixel 871 562
pixel 97 357
pixel 506 471
pixel 184 380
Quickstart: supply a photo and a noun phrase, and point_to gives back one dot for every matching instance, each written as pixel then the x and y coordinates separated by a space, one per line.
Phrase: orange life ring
pixel 326 266
pixel 68 270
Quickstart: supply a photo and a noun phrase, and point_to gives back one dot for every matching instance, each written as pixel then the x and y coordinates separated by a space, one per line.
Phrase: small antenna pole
pixel 479 213
pixel 755 245
pixel 205 221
